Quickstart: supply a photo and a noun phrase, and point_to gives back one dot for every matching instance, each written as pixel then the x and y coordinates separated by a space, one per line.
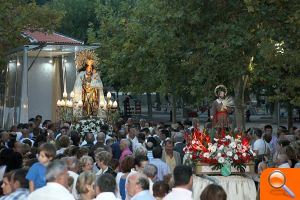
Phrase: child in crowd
pixel 37 173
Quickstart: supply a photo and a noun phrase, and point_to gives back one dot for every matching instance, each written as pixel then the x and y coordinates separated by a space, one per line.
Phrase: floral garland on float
pixel 224 154
pixel 90 125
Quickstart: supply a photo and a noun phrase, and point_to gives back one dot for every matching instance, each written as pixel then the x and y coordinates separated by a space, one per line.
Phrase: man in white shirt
pixel 183 181
pixel 150 171
pixel 57 183
pixel 138 187
pixel 132 136
pixel 73 168
pixel 260 146
pixel 163 169
pixel 282 161
pixel 106 187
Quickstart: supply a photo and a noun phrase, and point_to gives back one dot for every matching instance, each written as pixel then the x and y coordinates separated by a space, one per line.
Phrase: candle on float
pixel 115 104
pixel 102 103
pixel 80 103
pixel 65 95
pixel 69 103
pixel 58 103
pixel 110 103
pixel 108 95
pixel 62 103
pixel 72 94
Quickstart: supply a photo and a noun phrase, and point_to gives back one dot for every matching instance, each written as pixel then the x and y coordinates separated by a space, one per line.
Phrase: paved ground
pixel 255 120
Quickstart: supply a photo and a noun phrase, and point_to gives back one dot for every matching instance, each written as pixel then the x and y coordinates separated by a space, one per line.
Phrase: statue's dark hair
pixel 84 68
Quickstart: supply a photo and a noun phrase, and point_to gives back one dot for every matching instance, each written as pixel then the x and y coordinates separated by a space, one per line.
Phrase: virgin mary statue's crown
pixel 82 57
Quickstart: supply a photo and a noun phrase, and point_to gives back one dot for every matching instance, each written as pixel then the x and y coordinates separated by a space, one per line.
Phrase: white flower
pixel 237 140
pixel 254 154
pixel 239 147
pixel 228 137
pixel 232 145
pixel 235 157
pixel 244 154
pixel 221 160
pixel 210 144
pixel 213 149
pixel 215 139
pixel 221 147
pixel 206 155
pixel 229 153
pixel 219 155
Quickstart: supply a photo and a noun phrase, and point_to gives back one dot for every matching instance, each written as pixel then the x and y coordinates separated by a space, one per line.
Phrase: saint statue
pixel 88 87
pixel 221 108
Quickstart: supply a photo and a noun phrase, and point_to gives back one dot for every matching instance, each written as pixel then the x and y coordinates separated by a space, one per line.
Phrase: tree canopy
pixel 186 48
pixel 19 15
pixel 78 15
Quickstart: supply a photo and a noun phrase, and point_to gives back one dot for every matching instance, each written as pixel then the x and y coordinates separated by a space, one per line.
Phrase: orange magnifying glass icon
pixel 277 180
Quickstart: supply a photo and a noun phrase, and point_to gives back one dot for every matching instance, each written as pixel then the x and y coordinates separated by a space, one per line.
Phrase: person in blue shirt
pixel 37 172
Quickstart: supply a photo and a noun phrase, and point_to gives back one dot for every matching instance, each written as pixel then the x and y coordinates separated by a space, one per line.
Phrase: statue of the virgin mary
pixel 88 87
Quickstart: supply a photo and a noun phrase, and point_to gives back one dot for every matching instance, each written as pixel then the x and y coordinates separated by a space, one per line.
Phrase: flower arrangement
pixel 228 149
pixel 91 125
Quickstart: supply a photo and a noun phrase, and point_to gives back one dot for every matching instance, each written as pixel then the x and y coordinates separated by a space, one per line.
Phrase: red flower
pixel 245 141
pixel 223 133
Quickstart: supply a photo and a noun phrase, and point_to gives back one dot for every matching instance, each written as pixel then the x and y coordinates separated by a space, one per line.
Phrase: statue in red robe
pixel 221 108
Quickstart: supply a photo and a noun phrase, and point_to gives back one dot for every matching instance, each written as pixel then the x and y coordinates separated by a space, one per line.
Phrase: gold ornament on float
pixel 83 56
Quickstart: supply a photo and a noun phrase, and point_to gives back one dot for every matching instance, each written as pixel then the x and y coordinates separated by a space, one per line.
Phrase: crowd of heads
pixel 105 161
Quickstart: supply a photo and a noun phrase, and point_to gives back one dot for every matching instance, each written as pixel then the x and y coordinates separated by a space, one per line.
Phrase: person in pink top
pixel 124 146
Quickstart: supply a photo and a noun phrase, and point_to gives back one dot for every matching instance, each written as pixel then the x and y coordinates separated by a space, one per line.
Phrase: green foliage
pixel 78 14
pixel 279 57
pixel 174 47
pixel 17 16
pixel 188 47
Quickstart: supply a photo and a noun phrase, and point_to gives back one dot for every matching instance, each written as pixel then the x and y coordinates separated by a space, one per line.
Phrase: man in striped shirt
pixel 19 186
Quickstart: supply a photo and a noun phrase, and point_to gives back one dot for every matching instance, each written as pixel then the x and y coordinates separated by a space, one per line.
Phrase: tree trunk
pixel 173 109
pixel 239 90
pixel 208 114
pixel 158 102
pixel 149 103
pixel 184 110
pixel 276 113
pixel 290 119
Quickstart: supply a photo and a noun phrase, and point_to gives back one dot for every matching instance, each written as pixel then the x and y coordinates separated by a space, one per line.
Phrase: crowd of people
pixel 280 148
pixel 135 160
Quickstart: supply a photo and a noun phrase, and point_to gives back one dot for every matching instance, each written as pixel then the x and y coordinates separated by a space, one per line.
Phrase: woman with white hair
pixel 86 163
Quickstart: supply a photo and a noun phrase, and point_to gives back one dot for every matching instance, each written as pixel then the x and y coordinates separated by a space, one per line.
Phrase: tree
pixel 279 56
pixel 78 16
pixel 19 15
pixel 224 50
pixel 143 46
pixel 185 48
